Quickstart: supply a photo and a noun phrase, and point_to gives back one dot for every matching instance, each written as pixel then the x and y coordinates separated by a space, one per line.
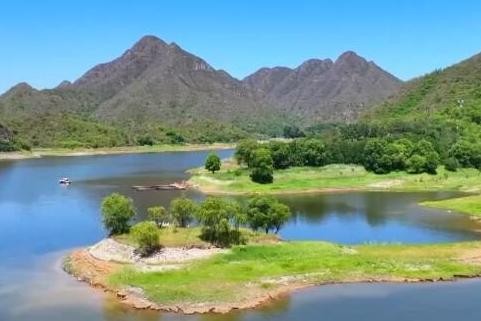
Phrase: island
pixel 219 265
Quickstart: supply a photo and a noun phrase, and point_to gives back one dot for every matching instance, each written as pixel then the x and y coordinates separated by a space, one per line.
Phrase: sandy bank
pixel 37 153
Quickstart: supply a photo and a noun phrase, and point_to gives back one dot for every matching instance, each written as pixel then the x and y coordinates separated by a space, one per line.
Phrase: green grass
pixel 255 269
pixel 234 180
pixel 470 205
pixel 190 237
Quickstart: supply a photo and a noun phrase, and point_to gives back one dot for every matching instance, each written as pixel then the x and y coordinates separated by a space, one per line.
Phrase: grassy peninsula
pixel 234 179
pixel 249 275
pixel 470 205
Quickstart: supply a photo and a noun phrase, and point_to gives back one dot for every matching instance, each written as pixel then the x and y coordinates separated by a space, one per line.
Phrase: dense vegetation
pixel 379 155
pixel 220 219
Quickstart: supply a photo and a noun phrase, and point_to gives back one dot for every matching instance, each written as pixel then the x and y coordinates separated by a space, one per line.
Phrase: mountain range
pixel 156 88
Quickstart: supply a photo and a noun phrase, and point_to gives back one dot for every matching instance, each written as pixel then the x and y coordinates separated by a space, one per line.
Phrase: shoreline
pixel 94 271
pixel 60 152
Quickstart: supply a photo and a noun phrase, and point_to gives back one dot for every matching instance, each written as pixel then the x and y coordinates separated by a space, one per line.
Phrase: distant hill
pixel 159 90
pixel 323 90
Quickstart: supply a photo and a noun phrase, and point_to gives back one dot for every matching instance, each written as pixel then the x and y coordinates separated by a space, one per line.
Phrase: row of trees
pixel 219 218
pixel 375 154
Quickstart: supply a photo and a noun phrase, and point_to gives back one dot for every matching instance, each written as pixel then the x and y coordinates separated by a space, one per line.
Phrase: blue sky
pixel 45 42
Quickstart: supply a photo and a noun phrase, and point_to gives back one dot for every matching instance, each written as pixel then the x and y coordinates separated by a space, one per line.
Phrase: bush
pixel 451 164
pixel 212 163
pixel 183 211
pixel 117 211
pixel 145 140
pixel 158 215
pixel 146 235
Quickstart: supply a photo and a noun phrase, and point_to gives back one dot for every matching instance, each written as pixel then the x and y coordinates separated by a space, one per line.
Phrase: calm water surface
pixel 41 221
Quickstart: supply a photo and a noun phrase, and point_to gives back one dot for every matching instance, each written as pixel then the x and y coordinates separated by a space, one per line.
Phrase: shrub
pixel 451 164
pixel 146 235
pixel 145 140
pixel 117 211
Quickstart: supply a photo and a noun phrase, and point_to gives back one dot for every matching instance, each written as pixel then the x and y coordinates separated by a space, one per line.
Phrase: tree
pixel 244 151
pixel 267 213
pixel 374 150
pixel 212 163
pixel 293 132
pixel 427 152
pixel 416 164
pixel 313 152
pixel 158 215
pixel 221 220
pixel 182 210
pixel 146 234
pixel 117 211
pixel 262 170
pixel 280 154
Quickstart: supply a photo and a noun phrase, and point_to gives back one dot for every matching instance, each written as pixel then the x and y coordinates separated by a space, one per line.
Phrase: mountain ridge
pixel 155 85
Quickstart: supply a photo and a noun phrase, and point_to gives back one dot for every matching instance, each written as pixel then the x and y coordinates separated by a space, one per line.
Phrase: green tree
pixel 158 215
pixel 280 154
pixel 183 211
pixel 416 164
pixel 267 213
pixel 220 221
pixel 146 235
pixel 262 169
pixel 374 150
pixel 117 211
pixel 313 152
pixel 245 150
pixel 212 163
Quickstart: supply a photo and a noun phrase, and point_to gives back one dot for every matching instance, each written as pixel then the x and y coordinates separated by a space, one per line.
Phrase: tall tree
pixel 117 211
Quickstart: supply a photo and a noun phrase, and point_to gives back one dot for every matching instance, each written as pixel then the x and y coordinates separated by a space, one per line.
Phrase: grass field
pixel 470 205
pixel 255 270
pixel 233 179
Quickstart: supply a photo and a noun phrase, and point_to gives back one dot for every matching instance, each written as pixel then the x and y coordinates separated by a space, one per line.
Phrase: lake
pixel 41 221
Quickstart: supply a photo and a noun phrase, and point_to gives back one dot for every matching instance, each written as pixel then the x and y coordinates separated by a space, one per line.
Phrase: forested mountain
pixel 160 92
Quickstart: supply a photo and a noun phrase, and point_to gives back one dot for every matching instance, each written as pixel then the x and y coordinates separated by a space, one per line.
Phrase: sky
pixel 45 42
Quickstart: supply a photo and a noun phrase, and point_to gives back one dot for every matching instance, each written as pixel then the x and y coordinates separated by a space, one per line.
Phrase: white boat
pixel 65 181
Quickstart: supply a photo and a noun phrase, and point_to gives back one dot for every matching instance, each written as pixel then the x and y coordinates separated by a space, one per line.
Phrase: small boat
pixel 65 181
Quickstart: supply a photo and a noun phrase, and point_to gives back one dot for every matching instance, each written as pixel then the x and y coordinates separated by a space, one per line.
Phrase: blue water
pixel 41 221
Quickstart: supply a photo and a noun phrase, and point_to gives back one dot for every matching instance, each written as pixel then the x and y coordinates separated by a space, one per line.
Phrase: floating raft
pixel 162 187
